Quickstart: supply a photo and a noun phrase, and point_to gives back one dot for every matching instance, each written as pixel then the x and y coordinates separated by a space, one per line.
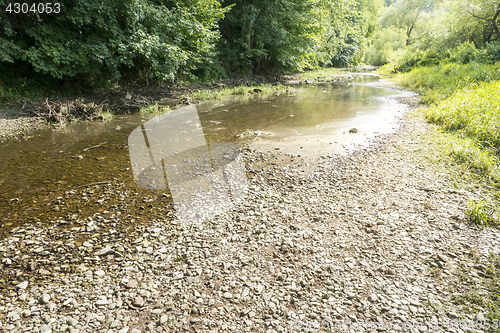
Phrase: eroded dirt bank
pixel 373 237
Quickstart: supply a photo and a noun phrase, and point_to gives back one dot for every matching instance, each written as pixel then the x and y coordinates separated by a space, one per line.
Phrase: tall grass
pixel 473 111
pixel 439 82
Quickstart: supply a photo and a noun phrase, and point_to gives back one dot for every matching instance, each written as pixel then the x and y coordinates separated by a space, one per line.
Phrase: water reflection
pixel 170 151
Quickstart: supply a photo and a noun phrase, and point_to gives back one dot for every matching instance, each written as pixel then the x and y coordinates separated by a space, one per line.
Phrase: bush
pixel 464 53
pixel 491 53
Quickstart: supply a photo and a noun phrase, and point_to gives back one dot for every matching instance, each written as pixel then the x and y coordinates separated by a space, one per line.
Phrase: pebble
pixel 44 298
pixel 99 273
pixel 138 302
pixel 131 284
pixel 72 322
pixel 23 285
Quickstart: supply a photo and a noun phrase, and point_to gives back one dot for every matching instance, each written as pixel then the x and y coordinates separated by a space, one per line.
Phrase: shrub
pixel 464 53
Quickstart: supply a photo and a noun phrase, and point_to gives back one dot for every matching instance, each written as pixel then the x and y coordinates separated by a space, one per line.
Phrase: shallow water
pixel 310 120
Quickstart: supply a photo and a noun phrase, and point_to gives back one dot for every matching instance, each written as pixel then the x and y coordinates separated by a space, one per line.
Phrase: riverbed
pixel 308 121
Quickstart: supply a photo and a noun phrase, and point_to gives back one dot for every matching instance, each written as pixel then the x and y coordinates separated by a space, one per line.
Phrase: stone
pixel 393 311
pixel 44 298
pixel 105 251
pixel 131 284
pixel 72 322
pixel 45 328
pixel 99 273
pixel 22 285
pixel 138 302
pixel 50 306
pixel 102 301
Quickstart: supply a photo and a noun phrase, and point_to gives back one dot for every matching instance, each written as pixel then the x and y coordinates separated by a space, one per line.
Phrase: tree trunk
pixel 494 22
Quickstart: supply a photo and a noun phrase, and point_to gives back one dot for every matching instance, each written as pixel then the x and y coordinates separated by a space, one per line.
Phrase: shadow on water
pixel 61 173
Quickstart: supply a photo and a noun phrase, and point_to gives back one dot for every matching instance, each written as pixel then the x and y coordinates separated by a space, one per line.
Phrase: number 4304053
pixel 36 8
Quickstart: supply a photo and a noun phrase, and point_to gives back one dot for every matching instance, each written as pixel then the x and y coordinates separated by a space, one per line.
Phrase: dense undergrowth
pixel 471 113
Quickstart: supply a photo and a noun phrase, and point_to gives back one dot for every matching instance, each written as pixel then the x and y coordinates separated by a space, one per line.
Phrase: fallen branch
pixel 94 184
pixel 96 146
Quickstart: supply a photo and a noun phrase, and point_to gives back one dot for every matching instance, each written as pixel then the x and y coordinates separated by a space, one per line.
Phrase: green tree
pixel 99 41
pixel 259 34
pixel 407 15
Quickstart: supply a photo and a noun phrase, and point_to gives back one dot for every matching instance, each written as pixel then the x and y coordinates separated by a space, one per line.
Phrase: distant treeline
pixel 100 42
pixel 416 33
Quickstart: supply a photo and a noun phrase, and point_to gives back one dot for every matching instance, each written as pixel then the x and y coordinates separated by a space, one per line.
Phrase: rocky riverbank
pixel 372 237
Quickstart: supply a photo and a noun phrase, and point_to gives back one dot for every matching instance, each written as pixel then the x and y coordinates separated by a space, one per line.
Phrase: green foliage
pixel 467 105
pixel 98 42
pixel 439 31
pixel 296 34
pixel 474 110
pixel 473 156
pixel 384 45
pixel 472 113
pixel 259 34
pixel 464 53
pixel 94 43
pixel 407 15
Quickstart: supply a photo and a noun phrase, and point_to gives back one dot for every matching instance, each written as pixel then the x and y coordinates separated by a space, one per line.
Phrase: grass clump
pixel 260 90
pixel 482 212
pixel 154 108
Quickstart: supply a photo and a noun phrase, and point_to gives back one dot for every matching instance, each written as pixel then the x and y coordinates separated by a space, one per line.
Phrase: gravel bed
pixel 16 128
pixel 343 239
